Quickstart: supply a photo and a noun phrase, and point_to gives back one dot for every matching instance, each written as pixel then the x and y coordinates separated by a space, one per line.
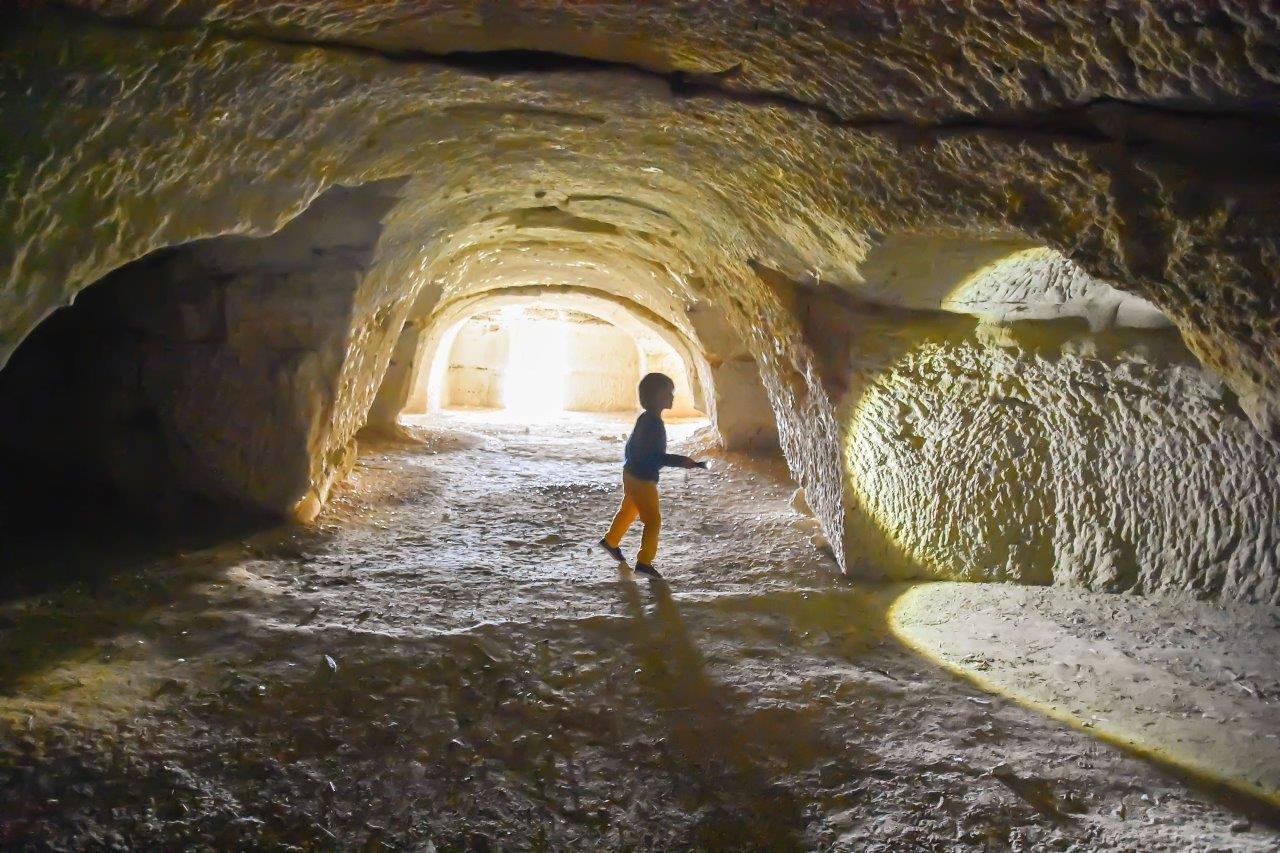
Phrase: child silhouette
pixel 646 455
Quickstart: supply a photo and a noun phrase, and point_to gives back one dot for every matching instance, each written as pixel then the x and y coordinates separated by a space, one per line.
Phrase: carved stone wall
pixel 205 371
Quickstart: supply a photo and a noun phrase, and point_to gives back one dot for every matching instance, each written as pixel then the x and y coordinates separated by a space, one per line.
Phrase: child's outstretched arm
pixel 675 460
pixel 649 444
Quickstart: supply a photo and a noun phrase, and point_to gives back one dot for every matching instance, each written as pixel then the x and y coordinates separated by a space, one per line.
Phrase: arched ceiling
pixel 658 150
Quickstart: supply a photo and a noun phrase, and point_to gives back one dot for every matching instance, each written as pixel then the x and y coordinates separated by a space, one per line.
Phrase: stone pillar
pixel 742 412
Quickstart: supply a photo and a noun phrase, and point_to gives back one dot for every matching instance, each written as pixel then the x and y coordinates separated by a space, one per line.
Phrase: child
pixel 646 453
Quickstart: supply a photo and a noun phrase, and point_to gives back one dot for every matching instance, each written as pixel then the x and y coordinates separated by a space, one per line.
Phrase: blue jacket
pixel 647 448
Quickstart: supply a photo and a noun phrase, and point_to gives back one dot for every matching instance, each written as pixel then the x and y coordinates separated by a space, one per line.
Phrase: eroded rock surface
pixel 209 370
pixel 1012 463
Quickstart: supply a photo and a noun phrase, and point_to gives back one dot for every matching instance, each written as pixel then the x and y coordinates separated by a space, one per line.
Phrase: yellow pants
pixel 639 498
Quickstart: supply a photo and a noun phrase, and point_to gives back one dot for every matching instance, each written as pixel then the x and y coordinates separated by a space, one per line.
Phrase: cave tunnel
pixel 546 354
pixel 321 327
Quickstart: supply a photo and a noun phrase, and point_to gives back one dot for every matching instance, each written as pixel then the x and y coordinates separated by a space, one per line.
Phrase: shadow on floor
pixel 65 590
pixel 729 757
pixel 846 623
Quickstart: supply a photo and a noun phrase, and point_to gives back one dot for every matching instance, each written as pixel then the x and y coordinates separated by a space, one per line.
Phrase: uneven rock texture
pixel 708 163
pixel 1041 451
pixel 1040 284
pixel 740 405
pixel 856 57
pixel 1179 680
pixel 494 686
pixel 1012 463
pixel 1133 100
pixel 209 370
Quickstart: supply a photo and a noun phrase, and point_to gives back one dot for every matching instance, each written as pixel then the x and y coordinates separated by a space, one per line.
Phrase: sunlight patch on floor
pixel 1187 704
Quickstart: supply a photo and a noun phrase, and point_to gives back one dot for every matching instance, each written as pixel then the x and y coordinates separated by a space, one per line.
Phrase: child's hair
pixel 650 385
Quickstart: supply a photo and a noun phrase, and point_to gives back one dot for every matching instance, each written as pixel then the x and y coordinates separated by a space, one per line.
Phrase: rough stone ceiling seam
pixel 1071 123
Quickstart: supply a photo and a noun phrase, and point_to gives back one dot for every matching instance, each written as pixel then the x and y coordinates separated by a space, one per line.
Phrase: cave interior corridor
pixel 321 326
pixel 535 361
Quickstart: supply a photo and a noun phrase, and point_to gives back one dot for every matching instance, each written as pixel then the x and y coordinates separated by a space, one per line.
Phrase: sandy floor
pixel 442 661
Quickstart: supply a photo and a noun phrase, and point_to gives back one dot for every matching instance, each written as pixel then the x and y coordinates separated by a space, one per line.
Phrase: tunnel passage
pixel 715 375
pixel 540 359
pixel 198 377
pixel 997 280
pixel 819 240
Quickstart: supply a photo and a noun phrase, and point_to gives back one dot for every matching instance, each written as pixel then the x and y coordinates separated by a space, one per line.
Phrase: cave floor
pixel 443 661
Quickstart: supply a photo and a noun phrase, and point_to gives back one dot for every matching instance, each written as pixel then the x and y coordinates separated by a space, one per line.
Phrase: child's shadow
pixel 724 757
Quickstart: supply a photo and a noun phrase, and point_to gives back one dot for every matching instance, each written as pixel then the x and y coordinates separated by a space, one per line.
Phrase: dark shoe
pixel 616 553
pixel 647 570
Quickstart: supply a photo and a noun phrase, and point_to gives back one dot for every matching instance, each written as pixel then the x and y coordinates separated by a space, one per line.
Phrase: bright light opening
pixel 536 365
pixel 538 361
